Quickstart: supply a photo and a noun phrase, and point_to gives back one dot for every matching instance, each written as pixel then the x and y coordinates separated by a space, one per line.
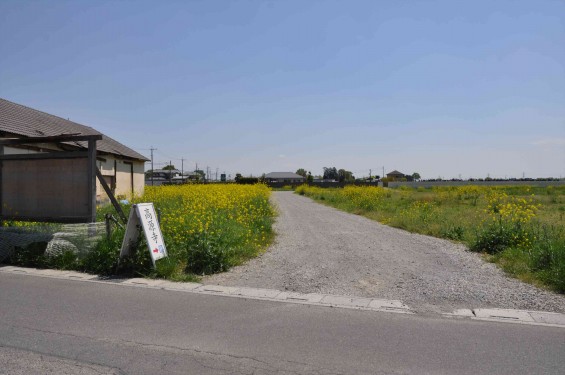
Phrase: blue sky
pixel 443 88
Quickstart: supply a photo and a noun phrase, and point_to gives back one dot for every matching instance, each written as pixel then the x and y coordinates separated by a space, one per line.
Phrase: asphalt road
pixel 63 326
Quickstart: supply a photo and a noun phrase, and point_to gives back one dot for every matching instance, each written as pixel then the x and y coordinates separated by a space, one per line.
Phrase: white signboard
pixel 143 214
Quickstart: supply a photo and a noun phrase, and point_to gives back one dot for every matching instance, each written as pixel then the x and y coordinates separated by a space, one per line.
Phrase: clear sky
pixel 443 88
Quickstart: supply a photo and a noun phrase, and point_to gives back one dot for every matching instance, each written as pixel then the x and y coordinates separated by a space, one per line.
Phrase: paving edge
pixel 526 317
pixel 326 300
pixel 540 318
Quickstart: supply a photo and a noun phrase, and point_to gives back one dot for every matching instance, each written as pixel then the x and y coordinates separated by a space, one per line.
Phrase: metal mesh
pixel 57 238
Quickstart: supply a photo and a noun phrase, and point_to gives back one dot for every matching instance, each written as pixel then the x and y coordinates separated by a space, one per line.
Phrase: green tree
pixel 416 176
pixel 330 173
pixel 309 178
pixel 169 167
pixel 345 176
pixel 301 172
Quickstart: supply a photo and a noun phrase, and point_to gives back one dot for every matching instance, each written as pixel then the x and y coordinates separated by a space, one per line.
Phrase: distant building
pixel 395 175
pixel 284 177
pixel 121 167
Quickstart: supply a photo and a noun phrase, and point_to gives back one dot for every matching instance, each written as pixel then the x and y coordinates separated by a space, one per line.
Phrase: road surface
pixel 76 327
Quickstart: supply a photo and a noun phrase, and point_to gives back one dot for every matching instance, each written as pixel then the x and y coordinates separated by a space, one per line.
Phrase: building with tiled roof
pixel 285 177
pixel 395 175
pixel 121 167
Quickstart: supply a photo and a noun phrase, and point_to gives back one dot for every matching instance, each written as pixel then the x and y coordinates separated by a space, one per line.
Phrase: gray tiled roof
pixel 28 122
pixel 283 175
pixel 395 172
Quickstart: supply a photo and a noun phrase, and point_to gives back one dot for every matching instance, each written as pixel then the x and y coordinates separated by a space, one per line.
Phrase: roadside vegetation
pixel 520 228
pixel 206 228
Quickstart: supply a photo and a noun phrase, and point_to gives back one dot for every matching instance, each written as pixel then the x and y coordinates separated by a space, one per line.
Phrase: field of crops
pixel 206 228
pixel 520 228
pixel 210 228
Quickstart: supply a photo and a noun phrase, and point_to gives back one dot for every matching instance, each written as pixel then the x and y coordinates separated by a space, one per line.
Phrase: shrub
pixel 207 254
pixel 454 232
pixel 248 180
pixel 498 237
pixel 301 189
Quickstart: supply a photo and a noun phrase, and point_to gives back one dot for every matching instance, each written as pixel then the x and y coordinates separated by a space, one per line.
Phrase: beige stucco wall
pixel 121 170
pixel 139 177
pixel 124 179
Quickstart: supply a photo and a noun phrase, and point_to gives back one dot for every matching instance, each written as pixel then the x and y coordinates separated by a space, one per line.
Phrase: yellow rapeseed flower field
pixel 222 224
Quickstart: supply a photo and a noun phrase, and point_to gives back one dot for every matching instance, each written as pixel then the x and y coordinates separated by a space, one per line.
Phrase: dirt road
pixel 322 250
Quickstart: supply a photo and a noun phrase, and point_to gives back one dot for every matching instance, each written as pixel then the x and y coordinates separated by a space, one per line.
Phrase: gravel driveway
pixel 319 249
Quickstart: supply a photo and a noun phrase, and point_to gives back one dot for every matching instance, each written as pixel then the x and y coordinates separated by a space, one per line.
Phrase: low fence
pixel 325 184
pixel 396 184
pixel 428 184
pixel 424 184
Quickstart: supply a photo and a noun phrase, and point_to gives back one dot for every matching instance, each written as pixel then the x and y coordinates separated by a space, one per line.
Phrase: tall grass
pixel 519 227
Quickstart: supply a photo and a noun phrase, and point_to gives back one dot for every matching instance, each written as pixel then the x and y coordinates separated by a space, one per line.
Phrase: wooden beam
pixel 52 139
pixel 111 196
pixel 47 219
pixel 46 155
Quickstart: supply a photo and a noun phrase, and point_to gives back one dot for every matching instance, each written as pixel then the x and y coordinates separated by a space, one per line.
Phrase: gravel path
pixel 319 249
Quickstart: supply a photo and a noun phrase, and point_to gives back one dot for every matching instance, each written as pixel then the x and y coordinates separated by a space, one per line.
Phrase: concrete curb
pixel 540 318
pixel 393 306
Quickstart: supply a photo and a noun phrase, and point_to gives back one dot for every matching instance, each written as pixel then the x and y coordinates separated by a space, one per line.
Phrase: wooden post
pixel 1 203
pixel 111 196
pixel 92 180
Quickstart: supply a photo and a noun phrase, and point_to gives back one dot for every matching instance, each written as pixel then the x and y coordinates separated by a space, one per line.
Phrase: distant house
pixel 284 177
pixel 395 175
pixel 121 167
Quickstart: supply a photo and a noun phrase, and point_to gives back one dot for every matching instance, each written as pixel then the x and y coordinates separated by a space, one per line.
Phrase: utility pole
pixel 152 170
pixel 170 171
pixel 217 173
pixel 370 177
pixel 182 168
